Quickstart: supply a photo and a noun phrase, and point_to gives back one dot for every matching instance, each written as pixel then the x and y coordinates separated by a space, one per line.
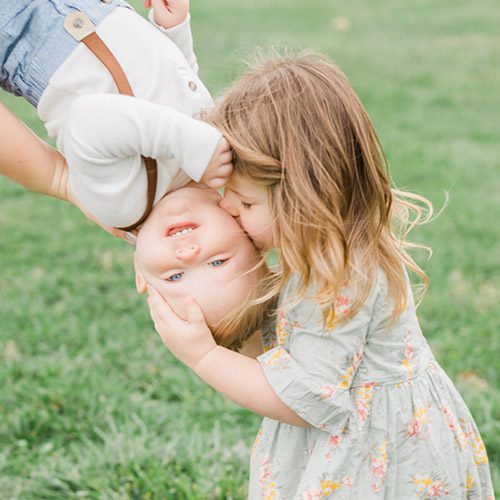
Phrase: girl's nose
pixel 226 204
pixel 187 253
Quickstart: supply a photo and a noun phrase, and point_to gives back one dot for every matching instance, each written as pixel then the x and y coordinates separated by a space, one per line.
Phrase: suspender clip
pixel 78 25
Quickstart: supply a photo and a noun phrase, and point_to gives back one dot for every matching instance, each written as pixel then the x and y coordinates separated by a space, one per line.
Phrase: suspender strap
pixel 82 28
pixel 100 50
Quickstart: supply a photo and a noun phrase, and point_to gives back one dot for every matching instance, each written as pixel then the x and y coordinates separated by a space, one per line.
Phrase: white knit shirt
pixel 103 134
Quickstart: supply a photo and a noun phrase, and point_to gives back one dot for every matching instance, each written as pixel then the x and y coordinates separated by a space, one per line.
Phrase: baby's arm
pixel 103 139
pixel 172 18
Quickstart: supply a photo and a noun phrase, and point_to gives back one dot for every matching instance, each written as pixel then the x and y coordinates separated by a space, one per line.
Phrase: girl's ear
pixel 140 283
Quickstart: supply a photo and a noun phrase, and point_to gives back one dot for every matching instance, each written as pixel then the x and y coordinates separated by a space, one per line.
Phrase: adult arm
pixel 30 162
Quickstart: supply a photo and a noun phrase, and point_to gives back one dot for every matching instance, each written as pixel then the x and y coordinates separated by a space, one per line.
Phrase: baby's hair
pixel 298 128
pixel 235 328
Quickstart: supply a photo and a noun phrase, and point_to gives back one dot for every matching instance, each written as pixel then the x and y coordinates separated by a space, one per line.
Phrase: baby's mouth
pixel 181 229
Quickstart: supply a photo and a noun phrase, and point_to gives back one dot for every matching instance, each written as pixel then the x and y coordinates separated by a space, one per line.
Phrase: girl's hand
pixel 189 341
pixel 168 13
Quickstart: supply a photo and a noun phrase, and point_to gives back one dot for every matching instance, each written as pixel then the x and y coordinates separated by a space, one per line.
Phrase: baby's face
pixel 190 247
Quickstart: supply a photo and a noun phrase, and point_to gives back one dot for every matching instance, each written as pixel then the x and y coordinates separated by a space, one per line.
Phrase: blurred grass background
pixel 92 405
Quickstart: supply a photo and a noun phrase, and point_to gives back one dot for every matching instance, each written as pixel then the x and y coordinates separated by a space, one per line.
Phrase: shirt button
pixel 192 86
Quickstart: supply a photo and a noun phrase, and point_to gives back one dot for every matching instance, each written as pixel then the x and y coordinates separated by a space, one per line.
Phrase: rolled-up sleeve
pixel 313 367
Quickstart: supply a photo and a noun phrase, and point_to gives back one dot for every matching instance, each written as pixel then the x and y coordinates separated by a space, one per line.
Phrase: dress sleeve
pixel 103 138
pixel 182 37
pixel 315 362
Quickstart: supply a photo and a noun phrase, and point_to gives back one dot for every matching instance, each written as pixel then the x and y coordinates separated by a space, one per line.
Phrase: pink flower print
pixel 435 490
pixel 361 409
pixel 378 468
pixel 363 399
pixel 375 487
pixel 430 487
pixel 341 305
pixel 265 472
pixel 334 440
pixel 311 494
pixel 282 330
pixel 414 428
pixel 418 421
pixel 326 392
pixel 328 456
pixel 347 482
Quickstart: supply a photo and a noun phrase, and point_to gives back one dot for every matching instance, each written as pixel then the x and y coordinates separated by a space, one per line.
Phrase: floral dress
pixel 386 421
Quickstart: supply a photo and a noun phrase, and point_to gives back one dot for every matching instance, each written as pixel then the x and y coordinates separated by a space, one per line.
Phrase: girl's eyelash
pixel 173 278
pixel 246 205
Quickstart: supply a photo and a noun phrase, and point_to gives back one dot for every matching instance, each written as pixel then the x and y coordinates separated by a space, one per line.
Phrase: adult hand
pixel 189 341
pixel 168 13
pixel 220 167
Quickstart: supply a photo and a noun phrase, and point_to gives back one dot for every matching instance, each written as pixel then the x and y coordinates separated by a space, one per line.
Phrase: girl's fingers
pixel 147 4
pixel 194 313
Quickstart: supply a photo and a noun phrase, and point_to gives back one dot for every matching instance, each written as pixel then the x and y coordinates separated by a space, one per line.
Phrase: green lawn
pixel 92 405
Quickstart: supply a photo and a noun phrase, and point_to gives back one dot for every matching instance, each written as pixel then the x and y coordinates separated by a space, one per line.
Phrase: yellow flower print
pixel 256 442
pixel 270 492
pixel 418 421
pixel 469 483
pixel 328 487
pixel 480 457
pixel 362 402
pixel 409 355
pixel 346 379
pixel 269 487
pixel 430 487
pixel 330 319
pixel 277 359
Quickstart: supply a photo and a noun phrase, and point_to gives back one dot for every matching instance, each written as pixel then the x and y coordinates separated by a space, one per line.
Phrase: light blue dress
pixel 386 421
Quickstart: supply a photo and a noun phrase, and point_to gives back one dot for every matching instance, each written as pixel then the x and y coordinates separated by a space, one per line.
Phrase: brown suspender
pixel 78 21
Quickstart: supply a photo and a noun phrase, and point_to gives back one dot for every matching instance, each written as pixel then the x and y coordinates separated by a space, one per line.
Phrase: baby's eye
pixel 175 277
pixel 246 205
pixel 217 263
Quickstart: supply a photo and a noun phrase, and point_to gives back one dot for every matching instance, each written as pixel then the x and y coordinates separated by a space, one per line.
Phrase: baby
pixel 43 60
pixel 191 247
pixel 188 245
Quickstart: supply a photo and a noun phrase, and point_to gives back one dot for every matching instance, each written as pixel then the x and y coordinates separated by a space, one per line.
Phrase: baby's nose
pixel 187 253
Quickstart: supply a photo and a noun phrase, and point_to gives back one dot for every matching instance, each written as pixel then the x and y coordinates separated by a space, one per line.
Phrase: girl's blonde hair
pixel 297 127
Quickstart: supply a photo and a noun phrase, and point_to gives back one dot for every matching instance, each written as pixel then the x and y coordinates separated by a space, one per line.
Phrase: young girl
pixel 355 404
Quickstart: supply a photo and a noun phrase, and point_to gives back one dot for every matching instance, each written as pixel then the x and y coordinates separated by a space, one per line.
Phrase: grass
pixel 91 404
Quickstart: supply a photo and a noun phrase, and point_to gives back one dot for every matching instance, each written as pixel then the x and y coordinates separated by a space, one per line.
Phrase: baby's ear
pixel 140 283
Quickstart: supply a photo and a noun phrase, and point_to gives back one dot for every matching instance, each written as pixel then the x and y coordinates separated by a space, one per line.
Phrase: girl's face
pixel 249 203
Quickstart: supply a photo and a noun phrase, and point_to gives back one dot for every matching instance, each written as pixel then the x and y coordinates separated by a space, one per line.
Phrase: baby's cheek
pixel 176 303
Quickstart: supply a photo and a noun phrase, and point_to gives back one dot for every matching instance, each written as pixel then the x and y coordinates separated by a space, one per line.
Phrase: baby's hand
pixel 220 167
pixel 168 13
pixel 189 341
